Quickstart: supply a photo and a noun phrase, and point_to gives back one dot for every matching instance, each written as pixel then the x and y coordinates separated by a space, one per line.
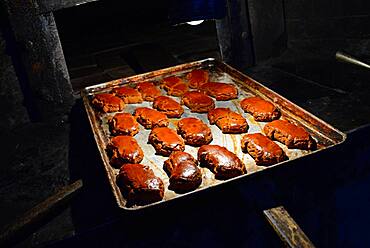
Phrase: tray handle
pixel 287 229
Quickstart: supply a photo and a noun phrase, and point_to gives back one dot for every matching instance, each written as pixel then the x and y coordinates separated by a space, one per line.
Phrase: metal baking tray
pixel 325 135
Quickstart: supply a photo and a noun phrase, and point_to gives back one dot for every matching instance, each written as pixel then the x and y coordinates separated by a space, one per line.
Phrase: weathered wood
pixel 46 6
pixel 33 218
pixel 43 60
pixel 234 35
pixel 287 228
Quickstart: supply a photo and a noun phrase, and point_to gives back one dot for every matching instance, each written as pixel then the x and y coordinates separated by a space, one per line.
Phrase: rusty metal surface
pixel 323 133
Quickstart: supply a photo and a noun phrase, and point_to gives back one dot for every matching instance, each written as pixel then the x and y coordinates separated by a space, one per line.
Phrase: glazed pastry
pixel 260 109
pixel 168 106
pixel 183 172
pixel 108 102
pixel 220 91
pixel 123 124
pixel 198 102
pixel 150 118
pixel 228 121
pixel 124 149
pixel 263 150
pixel 223 163
pixel 197 78
pixel 194 131
pixel 148 91
pixel 289 134
pixel 165 141
pixel 174 86
pixel 128 94
pixel 139 185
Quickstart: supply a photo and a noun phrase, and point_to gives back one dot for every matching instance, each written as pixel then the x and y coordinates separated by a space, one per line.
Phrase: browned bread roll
pixel 197 78
pixel 183 172
pixel 194 131
pixel 168 106
pixel 289 134
pixel 108 102
pixel 165 141
pixel 128 94
pixel 220 91
pixel 223 163
pixel 124 149
pixel 151 118
pixel 139 185
pixel 228 121
pixel 263 150
pixel 148 91
pixel 198 102
pixel 123 124
pixel 260 109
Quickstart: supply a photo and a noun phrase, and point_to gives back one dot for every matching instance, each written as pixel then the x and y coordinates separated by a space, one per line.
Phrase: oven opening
pixel 104 41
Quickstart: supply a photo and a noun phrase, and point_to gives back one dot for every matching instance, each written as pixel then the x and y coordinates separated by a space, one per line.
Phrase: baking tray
pixel 325 135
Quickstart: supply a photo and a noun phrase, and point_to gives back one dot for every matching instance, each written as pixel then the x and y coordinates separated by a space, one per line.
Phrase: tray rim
pixel 181 67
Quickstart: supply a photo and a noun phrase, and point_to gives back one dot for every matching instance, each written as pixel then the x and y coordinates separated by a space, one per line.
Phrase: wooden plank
pixel 287 229
pixel 46 6
pixel 35 217
pixel 42 58
pixel 234 35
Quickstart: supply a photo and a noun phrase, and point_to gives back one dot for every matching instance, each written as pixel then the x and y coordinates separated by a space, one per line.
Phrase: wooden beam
pixel 42 57
pixel 287 229
pixel 235 36
pixel 35 217
pixel 46 6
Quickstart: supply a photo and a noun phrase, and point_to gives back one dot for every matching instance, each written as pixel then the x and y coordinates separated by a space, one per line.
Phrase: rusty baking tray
pixel 325 135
